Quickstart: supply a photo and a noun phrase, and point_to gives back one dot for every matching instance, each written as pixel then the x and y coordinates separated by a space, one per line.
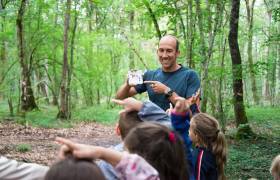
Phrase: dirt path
pixel 43 149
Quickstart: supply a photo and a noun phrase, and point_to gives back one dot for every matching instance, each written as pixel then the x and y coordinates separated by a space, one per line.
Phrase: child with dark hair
pixel 127 121
pixel 209 154
pixel 71 169
pixel 134 112
pixel 161 147
pixel 127 166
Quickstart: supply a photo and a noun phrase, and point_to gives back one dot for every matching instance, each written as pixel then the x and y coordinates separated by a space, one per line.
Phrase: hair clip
pixel 172 137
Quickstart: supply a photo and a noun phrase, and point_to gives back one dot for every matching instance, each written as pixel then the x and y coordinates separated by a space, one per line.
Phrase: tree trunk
pixel 64 109
pixel 41 86
pixel 182 24
pixel 72 46
pixel 250 17
pixel 277 83
pixel 11 107
pixel 27 98
pixel 88 93
pixel 207 52
pixel 3 56
pixel 204 56
pixel 153 16
pixel 98 95
pixel 239 109
pixel 131 55
pixel 190 34
pixel 266 90
pixel 271 57
pixel 220 109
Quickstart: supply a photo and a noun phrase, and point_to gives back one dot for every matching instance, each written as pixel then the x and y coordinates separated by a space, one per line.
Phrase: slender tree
pixel 131 29
pixel 153 16
pixel 239 109
pixel 250 21
pixel 27 98
pixel 72 49
pixel 190 34
pixel 205 50
pixel 64 109
pixel 271 86
pixel 3 54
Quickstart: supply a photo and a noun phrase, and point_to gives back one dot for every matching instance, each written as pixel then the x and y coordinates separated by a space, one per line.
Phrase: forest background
pixel 61 62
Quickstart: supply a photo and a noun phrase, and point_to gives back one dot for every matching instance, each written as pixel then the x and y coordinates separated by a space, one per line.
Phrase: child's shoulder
pixel 205 156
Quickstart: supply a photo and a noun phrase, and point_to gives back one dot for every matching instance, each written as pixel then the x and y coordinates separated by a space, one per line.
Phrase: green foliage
pixel 251 158
pixel 276 13
pixel 265 120
pixel 4 110
pixel 23 148
pixel 96 113
pixel 45 117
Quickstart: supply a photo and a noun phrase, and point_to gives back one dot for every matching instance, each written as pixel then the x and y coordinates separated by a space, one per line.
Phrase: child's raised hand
pixel 78 150
pixel 129 104
pixel 182 105
pixel 194 97
pixel 168 111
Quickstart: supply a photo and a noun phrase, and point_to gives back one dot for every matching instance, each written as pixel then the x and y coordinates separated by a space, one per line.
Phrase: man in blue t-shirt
pixel 167 83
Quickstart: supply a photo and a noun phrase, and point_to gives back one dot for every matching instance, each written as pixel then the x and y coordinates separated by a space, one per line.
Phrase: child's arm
pixel 180 119
pixel 87 151
pixel 147 111
pixel 12 169
pixel 127 166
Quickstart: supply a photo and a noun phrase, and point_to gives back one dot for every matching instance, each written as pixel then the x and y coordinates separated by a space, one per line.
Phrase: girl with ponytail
pixel 209 155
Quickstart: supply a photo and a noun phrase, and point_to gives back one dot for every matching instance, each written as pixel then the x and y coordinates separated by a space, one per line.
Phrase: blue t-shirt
pixel 184 81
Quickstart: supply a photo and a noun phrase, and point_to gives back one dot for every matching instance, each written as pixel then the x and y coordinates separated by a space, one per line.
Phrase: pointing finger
pixel 122 111
pixel 117 101
pixel 150 82
pixel 67 142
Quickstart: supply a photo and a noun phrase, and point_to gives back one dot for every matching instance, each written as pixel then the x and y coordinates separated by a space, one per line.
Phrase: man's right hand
pixel 125 91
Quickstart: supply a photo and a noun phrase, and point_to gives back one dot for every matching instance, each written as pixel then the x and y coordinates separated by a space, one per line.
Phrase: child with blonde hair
pixel 275 168
pixel 209 155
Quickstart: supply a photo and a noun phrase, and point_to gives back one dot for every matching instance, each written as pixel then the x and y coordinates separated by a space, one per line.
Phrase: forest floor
pixel 34 144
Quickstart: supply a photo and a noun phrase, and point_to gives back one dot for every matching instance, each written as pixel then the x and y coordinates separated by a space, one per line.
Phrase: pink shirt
pixel 134 167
